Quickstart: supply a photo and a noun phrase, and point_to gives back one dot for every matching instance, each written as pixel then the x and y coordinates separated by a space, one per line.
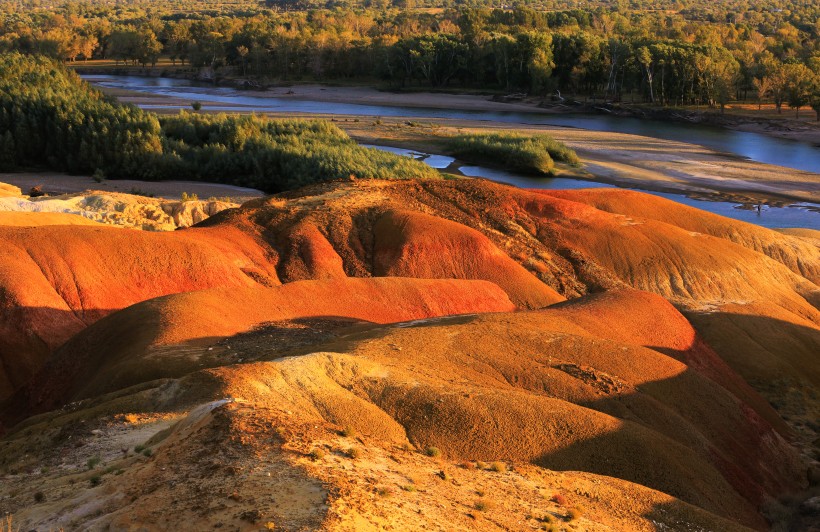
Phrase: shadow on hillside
pixel 102 359
pixel 761 348
pixel 661 447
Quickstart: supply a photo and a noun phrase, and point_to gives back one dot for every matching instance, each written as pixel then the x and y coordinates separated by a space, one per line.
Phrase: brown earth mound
pixel 536 387
pixel 801 257
pixel 412 244
pixel 9 191
pixel 616 383
pixel 56 280
pixel 129 347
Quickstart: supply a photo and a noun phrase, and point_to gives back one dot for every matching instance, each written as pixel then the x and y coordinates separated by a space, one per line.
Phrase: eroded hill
pixel 571 354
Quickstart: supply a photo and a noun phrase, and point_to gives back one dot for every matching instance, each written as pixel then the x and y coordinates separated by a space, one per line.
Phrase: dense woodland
pixel 660 52
pixel 46 109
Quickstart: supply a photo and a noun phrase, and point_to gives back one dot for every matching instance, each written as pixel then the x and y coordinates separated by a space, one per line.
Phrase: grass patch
pixel 482 505
pixel 498 467
pixel 354 452
pixel 317 453
pixel 532 154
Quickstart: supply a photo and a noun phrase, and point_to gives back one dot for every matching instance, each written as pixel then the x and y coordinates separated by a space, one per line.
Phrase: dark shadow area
pixel 685 435
pixel 779 360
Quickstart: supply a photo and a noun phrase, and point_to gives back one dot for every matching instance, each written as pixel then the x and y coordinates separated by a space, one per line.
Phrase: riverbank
pixel 620 159
pixel 779 127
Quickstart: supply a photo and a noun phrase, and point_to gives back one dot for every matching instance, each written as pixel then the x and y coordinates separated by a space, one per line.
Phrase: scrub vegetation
pixel 532 154
pixel 46 109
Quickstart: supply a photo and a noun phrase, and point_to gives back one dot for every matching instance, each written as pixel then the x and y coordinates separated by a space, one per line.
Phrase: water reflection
pixel 796 215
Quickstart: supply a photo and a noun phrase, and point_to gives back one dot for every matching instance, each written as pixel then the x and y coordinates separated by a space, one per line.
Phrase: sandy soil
pixel 54 183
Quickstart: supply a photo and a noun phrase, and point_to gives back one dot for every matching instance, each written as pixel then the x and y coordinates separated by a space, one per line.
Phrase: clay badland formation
pixel 449 354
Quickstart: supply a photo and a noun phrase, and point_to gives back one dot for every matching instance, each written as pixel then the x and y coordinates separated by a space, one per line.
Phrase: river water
pixel 797 215
pixel 754 146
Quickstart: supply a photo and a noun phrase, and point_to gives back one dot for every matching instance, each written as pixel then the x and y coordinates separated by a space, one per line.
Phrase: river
pixel 754 146
pixel 797 215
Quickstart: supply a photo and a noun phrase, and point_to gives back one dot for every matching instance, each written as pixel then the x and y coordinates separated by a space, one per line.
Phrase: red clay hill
pixel 542 331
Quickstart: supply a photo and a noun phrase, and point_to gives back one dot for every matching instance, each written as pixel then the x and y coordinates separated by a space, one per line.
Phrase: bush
pixel 39 497
pixel 482 505
pixel 532 154
pixel 354 452
pixel 432 451
pixel 498 467
pixel 92 462
pixel 559 499
pixel 317 454
pixel 348 432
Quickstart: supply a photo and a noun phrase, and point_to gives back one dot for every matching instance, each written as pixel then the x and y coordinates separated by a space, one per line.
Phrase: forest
pixel 659 53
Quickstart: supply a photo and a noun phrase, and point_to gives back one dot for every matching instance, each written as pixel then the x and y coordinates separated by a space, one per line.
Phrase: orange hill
pixel 613 381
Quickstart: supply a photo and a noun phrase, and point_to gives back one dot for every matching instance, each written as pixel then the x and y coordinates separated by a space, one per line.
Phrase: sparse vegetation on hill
pixel 534 154
pixel 45 109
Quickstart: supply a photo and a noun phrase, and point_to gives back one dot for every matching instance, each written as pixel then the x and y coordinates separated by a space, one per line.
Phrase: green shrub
pixel 533 154
pixel 432 451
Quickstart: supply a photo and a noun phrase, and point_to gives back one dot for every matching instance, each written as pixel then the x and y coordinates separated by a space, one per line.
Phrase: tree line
pixel 702 54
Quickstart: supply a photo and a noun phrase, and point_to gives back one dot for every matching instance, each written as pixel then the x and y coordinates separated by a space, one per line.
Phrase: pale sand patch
pixel 55 183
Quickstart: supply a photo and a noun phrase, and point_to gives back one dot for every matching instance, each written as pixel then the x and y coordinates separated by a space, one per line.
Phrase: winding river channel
pixel 754 146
